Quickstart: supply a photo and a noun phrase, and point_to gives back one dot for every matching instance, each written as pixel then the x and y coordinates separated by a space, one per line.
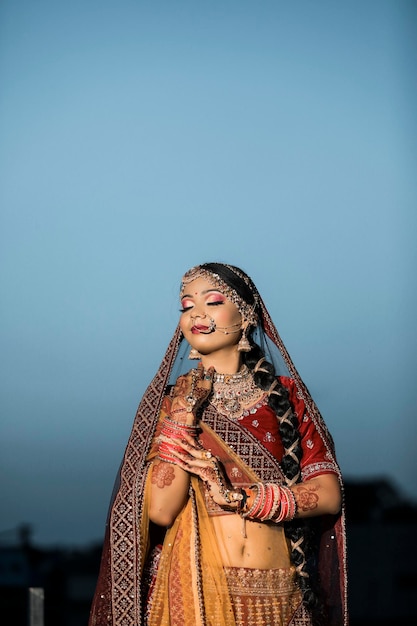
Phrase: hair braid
pixel 297 530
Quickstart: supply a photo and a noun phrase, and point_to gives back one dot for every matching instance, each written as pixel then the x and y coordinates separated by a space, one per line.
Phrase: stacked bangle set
pixel 173 430
pixel 272 502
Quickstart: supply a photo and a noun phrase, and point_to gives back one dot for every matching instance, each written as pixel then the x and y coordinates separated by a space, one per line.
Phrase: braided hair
pixel 297 531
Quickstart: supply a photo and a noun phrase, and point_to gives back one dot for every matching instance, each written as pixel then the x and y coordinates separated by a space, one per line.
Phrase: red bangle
pixel 273 503
pixel 288 507
pixel 175 430
pixel 264 513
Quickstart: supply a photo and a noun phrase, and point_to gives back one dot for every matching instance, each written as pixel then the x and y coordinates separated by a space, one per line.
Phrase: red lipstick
pixel 199 328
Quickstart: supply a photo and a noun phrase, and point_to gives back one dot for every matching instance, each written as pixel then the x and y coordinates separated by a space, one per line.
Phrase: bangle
pixel 257 502
pixel 182 409
pixel 166 450
pixel 276 505
pixel 292 505
pixel 176 430
pixel 271 495
pixel 173 430
pixel 273 503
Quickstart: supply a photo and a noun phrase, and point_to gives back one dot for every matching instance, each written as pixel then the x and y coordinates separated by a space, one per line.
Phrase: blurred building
pixel 68 578
pixel 382 549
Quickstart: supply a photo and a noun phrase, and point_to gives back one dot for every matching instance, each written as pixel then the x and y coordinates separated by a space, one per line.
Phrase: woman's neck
pixel 223 364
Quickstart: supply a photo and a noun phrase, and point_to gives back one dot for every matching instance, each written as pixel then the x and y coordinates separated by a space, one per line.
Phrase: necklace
pixel 236 395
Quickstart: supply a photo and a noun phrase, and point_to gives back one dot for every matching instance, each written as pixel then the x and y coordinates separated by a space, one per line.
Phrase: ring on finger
pixel 207 455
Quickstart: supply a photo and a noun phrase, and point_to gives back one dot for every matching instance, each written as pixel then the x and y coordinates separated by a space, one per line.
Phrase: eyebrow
pixel 203 293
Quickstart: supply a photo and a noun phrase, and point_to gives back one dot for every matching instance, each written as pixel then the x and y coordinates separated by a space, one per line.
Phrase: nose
pixel 200 315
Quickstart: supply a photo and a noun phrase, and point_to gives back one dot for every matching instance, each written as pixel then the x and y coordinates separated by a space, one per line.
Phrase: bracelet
pixel 273 503
pixel 191 399
pixel 257 503
pixel 173 430
pixel 231 496
pixel 182 409
pixel 276 504
pixel 177 430
pixel 264 513
pixel 288 507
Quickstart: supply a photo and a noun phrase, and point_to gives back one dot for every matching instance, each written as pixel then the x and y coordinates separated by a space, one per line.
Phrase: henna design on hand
pixel 193 388
pixel 182 386
pixel 162 475
pixel 305 497
pixel 209 474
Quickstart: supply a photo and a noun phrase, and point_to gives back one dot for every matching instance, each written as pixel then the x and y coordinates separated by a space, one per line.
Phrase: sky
pixel 140 138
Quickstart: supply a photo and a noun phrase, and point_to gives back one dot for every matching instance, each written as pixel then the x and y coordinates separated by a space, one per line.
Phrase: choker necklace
pixel 236 395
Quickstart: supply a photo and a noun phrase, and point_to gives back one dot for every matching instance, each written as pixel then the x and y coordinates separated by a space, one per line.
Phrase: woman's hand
pixel 198 461
pixel 190 391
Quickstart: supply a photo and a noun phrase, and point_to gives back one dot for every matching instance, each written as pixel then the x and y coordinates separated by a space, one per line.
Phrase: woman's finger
pixel 199 453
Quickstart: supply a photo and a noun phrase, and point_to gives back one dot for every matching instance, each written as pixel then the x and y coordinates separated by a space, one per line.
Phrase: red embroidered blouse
pixel 263 424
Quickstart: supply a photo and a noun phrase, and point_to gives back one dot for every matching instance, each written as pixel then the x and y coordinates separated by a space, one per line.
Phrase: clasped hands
pixel 190 391
pixel 178 439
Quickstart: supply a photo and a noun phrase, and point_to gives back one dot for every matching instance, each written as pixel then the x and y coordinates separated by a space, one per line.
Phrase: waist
pixel 251 544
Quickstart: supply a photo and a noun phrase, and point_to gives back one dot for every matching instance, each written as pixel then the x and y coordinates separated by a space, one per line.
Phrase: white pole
pixel 36 597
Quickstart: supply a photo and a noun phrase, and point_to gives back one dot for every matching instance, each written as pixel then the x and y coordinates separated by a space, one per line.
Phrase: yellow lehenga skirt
pixel 192 587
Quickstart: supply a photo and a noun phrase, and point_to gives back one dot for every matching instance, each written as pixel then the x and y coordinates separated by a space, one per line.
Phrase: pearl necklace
pixel 235 394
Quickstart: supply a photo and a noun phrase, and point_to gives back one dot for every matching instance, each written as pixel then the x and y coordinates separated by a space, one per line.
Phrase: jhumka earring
pixel 244 345
pixel 194 354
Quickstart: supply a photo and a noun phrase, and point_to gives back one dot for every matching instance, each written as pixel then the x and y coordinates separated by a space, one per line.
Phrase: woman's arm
pixel 321 494
pixel 169 481
pixel 318 496
pixel 169 492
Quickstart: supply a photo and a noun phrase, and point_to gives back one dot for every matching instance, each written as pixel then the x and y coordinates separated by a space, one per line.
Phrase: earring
pixel 194 354
pixel 244 345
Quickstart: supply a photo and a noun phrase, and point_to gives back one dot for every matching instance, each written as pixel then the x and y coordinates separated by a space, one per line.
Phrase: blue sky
pixel 140 138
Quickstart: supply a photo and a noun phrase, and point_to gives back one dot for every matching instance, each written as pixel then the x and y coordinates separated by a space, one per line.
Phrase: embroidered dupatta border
pixel 117 599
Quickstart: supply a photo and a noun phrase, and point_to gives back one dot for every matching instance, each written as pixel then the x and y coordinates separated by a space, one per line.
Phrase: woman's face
pixel 204 307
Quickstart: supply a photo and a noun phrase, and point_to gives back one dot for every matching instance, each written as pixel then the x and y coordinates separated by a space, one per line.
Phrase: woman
pixel 227 506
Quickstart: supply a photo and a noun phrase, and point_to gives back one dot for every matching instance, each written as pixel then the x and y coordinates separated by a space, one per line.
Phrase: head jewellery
pixel 246 310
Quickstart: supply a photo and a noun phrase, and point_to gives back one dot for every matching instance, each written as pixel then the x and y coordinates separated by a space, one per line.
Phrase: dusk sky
pixel 139 138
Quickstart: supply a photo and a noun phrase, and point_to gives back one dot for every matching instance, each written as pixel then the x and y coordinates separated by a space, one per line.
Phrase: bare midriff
pixel 263 547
